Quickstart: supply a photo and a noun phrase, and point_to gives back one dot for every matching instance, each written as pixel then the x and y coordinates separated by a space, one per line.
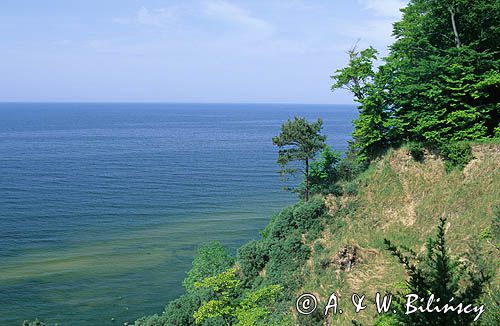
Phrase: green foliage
pixel 387 320
pixel 416 150
pixel 351 188
pixel 492 303
pixel 226 288
pixel 253 308
pixel 456 154
pixel 358 75
pixel 349 168
pixel 210 260
pixel 252 257
pixel 439 274
pixel 323 172
pixel 439 84
pixel 247 310
pixel 299 141
pixel 286 259
pixel 153 320
pixel 286 250
pixel 180 311
pixel 299 217
pixel 282 251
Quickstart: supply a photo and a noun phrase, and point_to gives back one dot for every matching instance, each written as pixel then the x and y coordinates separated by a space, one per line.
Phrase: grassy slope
pixel 402 200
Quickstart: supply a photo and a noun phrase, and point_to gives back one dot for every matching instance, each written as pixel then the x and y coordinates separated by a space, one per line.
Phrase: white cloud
pixel 384 8
pixel 233 14
pixel 155 17
pixel 376 28
pixel 160 17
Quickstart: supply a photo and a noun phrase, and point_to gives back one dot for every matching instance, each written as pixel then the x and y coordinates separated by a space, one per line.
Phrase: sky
pixel 218 51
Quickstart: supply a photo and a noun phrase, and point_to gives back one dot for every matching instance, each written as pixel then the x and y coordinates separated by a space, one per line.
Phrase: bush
pixel 349 168
pixel 181 310
pixel 287 253
pixel 329 169
pixel 416 150
pixel 318 247
pixel 323 171
pixel 351 188
pixel 456 155
pixel 309 214
pixel 286 259
pixel 252 258
pixel 314 232
pixel 301 217
pixel 438 273
pixel 211 260
pixel 153 320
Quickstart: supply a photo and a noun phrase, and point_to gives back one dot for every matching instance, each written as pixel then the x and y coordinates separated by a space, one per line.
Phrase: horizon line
pixel 168 102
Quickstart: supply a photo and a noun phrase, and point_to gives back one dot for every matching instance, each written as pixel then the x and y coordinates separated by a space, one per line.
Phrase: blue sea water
pixel 102 206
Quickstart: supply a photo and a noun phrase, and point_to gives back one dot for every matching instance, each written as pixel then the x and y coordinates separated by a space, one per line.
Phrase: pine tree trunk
pixel 306 195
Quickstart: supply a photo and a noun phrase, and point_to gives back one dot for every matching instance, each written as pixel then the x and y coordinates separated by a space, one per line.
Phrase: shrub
pixel 349 168
pixel 416 150
pixel 314 232
pixel 301 217
pixel 307 215
pixel 252 258
pixel 230 305
pixel 211 260
pixel 351 188
pixel 329 169
pixel 456 154
pixel 153 320
pixel 286 259
pixel 180 311
pixel 318 247
pixel 445 277
pixel 323 172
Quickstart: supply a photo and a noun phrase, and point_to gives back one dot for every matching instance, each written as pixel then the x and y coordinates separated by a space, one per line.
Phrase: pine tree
pixel 439 274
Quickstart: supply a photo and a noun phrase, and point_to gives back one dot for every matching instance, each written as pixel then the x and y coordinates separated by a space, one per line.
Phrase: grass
pixel 401 199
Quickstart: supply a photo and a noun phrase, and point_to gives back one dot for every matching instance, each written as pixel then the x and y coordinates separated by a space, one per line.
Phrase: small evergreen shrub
pixel 318 247
pixel 180 311
pixel 349 168
pixel 351 188
pixel 314 232
pixel 286 260
pixel 416 150
pixel 456 155
pixel 440 274
pixel 252 258
pixel 309 214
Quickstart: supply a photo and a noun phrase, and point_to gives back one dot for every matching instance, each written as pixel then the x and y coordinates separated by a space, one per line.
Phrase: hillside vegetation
pixel 402 199
pixel 423 162
pixel 336 243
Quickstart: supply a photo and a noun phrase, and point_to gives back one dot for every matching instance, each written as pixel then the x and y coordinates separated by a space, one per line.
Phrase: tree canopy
pixel 299 141
pixel 440 82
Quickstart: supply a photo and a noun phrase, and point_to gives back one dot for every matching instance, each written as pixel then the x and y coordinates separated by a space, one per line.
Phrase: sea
pixel 104 205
